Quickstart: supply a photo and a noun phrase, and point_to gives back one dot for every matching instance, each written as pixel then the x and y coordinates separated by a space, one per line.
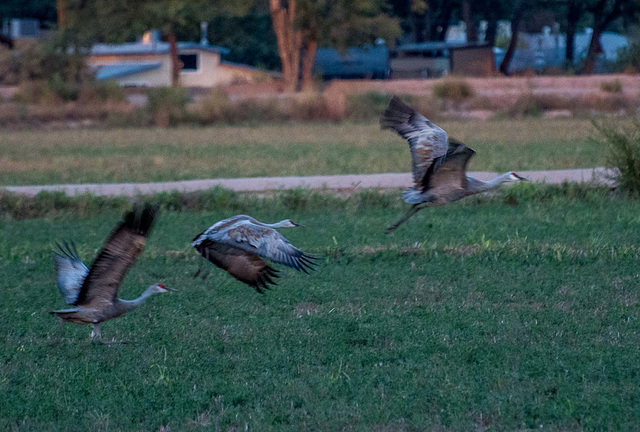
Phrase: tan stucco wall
pixel 210 72
pixel 206 73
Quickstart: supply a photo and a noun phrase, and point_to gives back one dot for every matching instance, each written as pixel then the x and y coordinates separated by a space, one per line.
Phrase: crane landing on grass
pixel 439 165
pixel 239 244
pixel 94 291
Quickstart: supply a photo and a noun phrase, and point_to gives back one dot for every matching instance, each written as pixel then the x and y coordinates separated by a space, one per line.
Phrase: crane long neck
pixel 281 224
pixel 481 186
pixel 132 304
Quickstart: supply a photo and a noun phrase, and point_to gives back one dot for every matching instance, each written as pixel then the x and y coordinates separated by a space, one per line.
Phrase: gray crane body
pixel 94 291
pixel 439 165
pixel 240 244
pixel 100 313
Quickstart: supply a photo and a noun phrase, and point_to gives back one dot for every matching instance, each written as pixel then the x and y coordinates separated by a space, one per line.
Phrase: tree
pixel 516 17
pixel 569 13
pixel 605 12
pixel 341 24
pixel 250 35
pixel 438 18
pixel 302 25
pixel 411 14
pixel 44 10
pixel 493 10
pixel 470 24
pixel 120 20
pixel 61 8
pixel 575 10
pixel 289 37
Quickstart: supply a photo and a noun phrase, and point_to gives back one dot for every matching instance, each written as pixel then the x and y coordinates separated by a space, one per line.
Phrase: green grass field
pixel 143 155
pixel 516 312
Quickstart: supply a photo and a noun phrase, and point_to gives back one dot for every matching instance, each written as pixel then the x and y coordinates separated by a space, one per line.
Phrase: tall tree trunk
pixel 594 50
pixel 311 47
pixel 419 23
pixel 289 41
pixel 61 11
pixel 444 19
pixel 175 60
pixel 491 32
pixel 492 29
pixel 515 30
pixel 573 16
pixel 472 31
pixel 601 20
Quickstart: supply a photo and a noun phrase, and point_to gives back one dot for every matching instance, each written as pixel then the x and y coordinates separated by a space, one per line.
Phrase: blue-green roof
pixel 119 70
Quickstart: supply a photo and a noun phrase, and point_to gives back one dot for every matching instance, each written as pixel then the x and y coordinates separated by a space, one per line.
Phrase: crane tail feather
pixel 413 196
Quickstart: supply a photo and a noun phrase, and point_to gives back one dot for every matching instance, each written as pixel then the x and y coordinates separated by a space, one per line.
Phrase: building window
pixel 189 62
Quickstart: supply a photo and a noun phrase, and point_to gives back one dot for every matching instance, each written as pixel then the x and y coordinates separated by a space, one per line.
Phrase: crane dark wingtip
pixel 302 269
pixel 59 250
pixel 310 257
pixel 141 218
pixel 64 250
pixel 266 279
pixel 310 265
pixel 396 116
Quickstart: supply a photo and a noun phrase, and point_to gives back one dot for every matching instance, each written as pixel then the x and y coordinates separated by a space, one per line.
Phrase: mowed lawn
pixel 474 316
pixel 144 155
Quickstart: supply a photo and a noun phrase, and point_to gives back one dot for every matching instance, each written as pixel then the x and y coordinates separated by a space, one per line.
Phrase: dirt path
pixel 263 184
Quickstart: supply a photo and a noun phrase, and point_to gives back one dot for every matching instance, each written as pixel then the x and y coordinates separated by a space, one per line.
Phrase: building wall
pixel 210 72
pixel 419 67
pixel 160 77
pixel 206 75
pixel 472 61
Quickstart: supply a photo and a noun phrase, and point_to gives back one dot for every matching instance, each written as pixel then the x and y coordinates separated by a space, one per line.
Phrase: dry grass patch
pixel 141 155
pixel 306 309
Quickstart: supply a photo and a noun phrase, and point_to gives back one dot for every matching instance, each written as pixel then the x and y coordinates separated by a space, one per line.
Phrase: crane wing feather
pixel 450 170
pixel 117 256
pixel 264 242
pixel 70 271
pixel 246 267
pixel 426 140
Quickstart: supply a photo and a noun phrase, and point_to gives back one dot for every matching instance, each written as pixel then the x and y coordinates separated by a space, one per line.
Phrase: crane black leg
pixel 413 210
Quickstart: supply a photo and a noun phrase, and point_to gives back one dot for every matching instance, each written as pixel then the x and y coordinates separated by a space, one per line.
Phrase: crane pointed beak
pixel 165 288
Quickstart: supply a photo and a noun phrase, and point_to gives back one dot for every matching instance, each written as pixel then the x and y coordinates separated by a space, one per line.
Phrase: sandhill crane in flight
pixel 94 291
pixel 239 244
pixel 439 165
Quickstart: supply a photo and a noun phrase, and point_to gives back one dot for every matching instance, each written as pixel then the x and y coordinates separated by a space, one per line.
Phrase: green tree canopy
pixel 44 10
